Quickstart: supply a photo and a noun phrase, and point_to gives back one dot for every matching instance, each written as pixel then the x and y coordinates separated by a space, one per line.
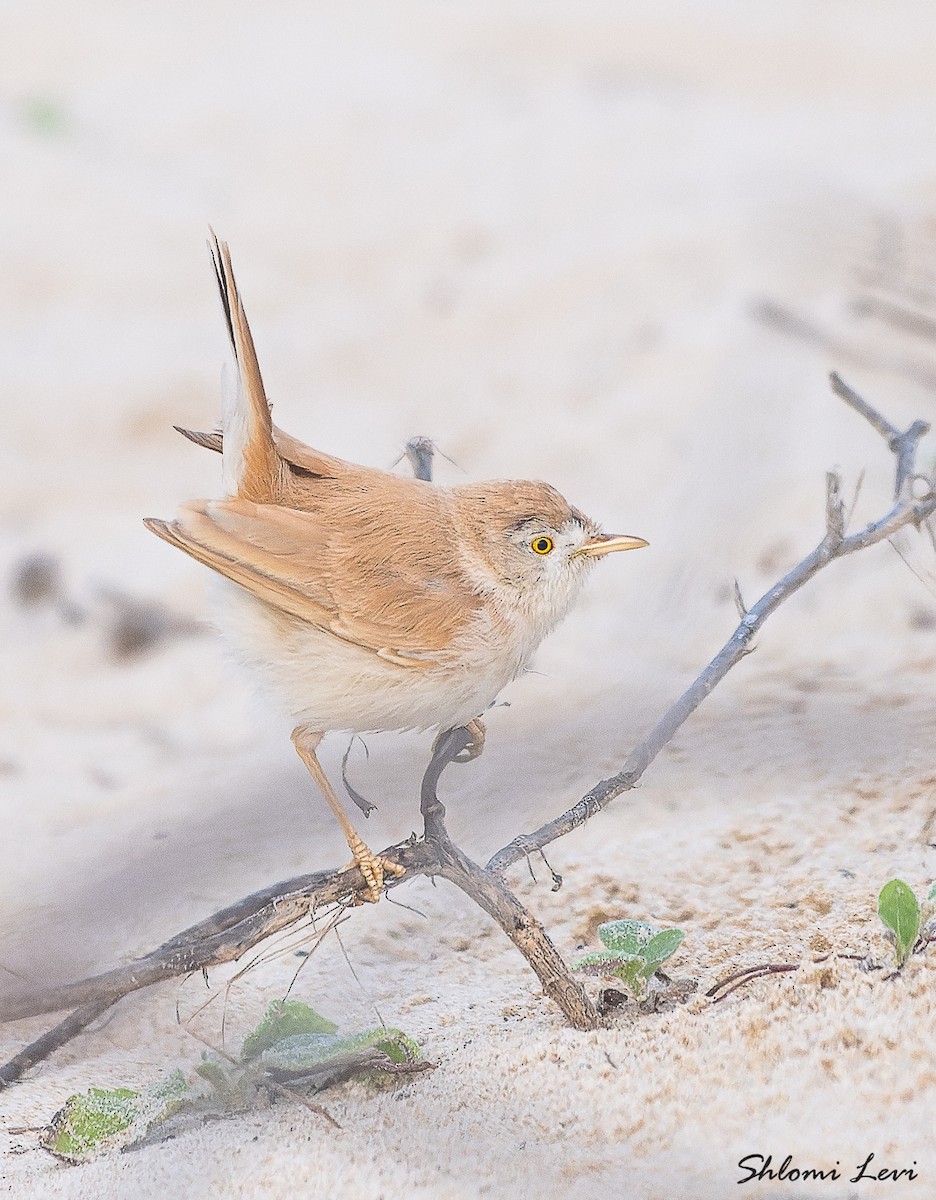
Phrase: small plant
pixel 909 923
pixel 633 953
pixel 292 1048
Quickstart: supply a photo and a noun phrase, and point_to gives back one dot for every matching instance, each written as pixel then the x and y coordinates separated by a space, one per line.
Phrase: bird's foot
pixel 374 867
pixel 475 746
pixel 473 750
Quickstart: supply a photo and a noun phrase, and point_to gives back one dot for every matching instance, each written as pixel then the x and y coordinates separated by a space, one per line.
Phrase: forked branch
pixel 228 934
pixel 835 544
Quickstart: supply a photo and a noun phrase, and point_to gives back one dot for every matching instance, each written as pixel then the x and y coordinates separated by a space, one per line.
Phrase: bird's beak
pixel 608 543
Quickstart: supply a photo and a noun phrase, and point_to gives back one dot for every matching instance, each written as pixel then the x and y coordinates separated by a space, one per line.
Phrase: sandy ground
pixel 536 233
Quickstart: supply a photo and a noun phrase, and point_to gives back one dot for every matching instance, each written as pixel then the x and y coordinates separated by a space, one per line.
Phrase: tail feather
pixel 251 462
pixel 210 441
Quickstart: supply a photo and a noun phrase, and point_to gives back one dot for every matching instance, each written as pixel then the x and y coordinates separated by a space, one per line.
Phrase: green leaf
pixel 215 1072
pixel 398 1046
pixel 931 894
pixel 661 947
pixel 101 1119
pixel 304 1052
pixel 604 962
pixel 632 976
pixel 87 1123
pixel 899 909
pixel 625 937
pixel 283 1019
pixel 43 115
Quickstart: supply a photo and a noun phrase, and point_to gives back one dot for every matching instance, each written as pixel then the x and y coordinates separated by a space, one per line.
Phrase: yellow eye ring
pixel 541 544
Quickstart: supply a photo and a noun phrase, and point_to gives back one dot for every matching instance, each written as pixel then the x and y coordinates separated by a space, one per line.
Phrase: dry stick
pixel 490 892
pixel 907 320
pixel 229 933
pixel 793 324
pixel 904 445
pixel 222 937
pixel 43 1046
pixel 835 544
pixel 740 978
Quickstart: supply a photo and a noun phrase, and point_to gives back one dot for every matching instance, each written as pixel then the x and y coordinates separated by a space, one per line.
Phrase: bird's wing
pixel 405 612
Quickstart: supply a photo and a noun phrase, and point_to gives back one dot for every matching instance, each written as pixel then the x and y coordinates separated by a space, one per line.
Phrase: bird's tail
pixel 251 464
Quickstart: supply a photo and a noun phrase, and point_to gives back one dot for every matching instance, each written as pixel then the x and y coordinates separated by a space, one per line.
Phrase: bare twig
pixel 904 445
pixel 803 328
pixel 490 892
pixel 43 1046
pixel 899 316
pixel 835 508
pixel 228 934
pixel 739 600
pixel 721 989
pixel 878 422
pixel 223 937
pixel 906 511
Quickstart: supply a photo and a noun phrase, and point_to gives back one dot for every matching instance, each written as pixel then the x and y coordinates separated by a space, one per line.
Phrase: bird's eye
pixel 542 544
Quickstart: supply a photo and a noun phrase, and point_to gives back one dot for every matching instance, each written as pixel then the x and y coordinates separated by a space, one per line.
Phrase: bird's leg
pixel 477 730
pixel 373 866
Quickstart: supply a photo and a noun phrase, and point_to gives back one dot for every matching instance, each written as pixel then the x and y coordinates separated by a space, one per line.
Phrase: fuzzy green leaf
pixel 625 937
pixel 931 894
pixel 284 1019
pixel 101 1119
pixel 398 1046
pixel 213 1070
pixel 304 1052
pixel 604 962
pixel 899 909
pixel 88 1122
pixel 632 975
pixel 661 947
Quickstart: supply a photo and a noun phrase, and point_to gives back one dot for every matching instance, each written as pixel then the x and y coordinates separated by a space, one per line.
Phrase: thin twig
pixel 739 600
pixel 490 892
pixel 904 445
pixel 835 508
pixel 880 423
pixel 228 934
pixel 223 937
pixel 740 978
pixel 43 1046
pixel 906 511
pixel 907 320
pixel 803 328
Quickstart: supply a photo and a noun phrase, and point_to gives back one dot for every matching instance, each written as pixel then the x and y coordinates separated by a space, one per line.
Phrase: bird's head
pixel 534 544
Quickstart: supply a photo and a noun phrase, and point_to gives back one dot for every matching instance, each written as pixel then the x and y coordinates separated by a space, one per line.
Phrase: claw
pixel 476 745
pixel 374 867
pixel 477 730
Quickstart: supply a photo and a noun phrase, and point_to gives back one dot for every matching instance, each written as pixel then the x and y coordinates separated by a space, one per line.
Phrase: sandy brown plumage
pixel 370 600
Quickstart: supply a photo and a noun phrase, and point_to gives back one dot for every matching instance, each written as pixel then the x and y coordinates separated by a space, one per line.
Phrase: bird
pixel 367 600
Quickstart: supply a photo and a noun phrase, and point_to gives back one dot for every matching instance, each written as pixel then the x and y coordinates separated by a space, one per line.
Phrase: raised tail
pixel 251 462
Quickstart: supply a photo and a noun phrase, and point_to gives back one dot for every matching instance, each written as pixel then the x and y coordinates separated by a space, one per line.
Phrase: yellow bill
pixel 609 543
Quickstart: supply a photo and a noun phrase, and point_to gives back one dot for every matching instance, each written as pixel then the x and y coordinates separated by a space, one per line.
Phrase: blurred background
pixel 617 246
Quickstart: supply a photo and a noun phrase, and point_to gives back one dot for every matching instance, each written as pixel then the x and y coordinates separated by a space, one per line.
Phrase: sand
pixel 539 235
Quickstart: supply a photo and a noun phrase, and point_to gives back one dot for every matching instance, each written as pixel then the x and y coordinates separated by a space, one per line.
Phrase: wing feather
pixel 395 605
